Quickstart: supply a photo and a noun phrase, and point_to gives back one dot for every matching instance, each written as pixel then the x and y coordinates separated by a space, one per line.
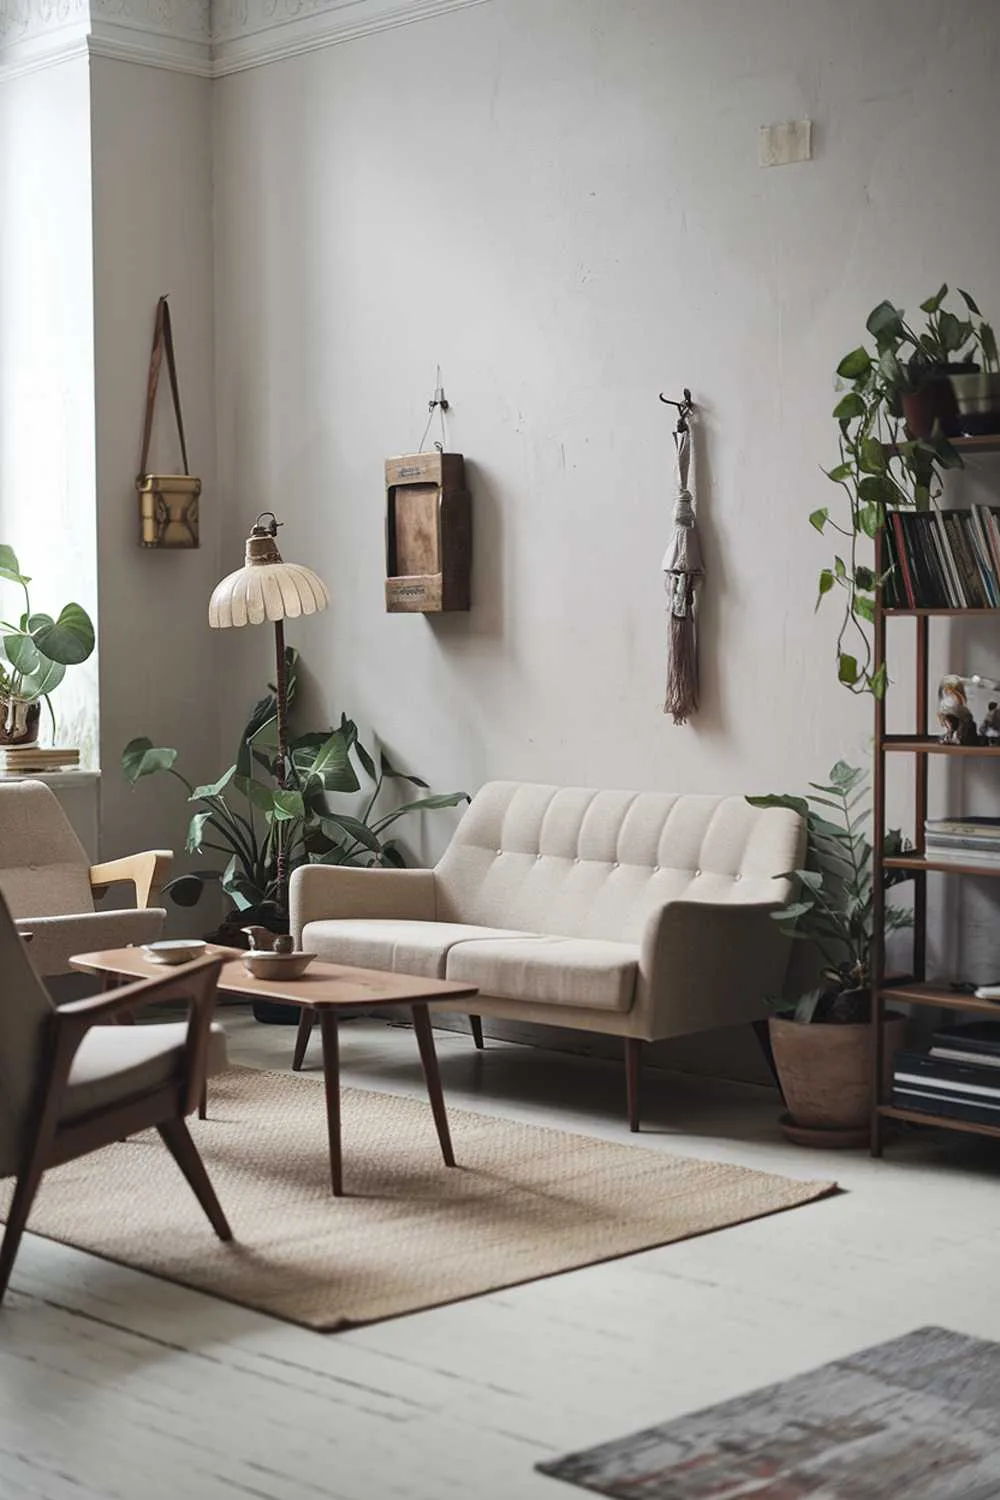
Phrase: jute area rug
pixel 409 1233
pixel 917 1418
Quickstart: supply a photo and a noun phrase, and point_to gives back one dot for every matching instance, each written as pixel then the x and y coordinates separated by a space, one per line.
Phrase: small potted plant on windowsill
pixel 822 1043
pixel 34 654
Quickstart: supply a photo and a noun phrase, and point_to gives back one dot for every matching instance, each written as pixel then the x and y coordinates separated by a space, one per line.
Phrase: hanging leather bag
pixel 168 503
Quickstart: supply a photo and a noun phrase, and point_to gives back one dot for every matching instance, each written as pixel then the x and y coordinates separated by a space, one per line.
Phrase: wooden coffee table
pixel 327 989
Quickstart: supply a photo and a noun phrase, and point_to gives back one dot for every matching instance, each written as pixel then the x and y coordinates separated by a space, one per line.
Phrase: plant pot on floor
pixel 825 1073
pixel 978 398
pixel 19 721
pixel 932 408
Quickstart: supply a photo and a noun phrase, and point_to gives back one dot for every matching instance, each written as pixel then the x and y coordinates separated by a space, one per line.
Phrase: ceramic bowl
pixel 175 950
pixel 277 965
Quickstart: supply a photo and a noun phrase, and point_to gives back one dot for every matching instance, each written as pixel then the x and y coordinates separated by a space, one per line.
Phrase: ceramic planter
pixel 825 1073
pixel 19 721
pixel 978 399
pixel 932 409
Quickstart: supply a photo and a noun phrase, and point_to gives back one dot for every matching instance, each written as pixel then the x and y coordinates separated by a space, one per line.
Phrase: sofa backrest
pixel 582 863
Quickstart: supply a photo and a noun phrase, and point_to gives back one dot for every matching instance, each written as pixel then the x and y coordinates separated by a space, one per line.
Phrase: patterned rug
pixel 410 1233
pixel 917 1418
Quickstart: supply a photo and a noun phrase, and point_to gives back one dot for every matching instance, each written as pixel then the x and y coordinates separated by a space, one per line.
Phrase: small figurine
pixel 284 943
pixel 990 727
pixel 954 714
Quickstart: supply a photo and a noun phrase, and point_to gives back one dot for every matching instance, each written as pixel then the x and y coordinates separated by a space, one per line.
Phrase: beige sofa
pixel 638 914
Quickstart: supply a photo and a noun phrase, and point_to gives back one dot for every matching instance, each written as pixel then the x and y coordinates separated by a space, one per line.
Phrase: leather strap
pixel 163 340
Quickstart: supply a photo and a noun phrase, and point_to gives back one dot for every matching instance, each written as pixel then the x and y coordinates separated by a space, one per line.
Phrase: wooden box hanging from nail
pixel 428 534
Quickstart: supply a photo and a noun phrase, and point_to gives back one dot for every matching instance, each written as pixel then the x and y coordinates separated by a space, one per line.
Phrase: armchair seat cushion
pixel 419 948
pixel 576 972
pixel 115 1062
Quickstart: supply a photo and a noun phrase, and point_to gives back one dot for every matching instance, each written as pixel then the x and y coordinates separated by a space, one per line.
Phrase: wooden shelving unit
pixel 921 746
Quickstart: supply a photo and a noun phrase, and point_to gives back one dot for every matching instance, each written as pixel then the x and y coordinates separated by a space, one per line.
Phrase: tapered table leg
pixel 331 1078
pixel 306 1018
pixel 429 1062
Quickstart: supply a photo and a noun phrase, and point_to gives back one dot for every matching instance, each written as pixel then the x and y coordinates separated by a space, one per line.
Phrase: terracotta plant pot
pixel 825 1071
pixel 932 409
pixel 19 722
pixel 978 398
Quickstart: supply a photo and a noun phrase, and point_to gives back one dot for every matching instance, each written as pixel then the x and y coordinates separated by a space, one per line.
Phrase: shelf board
pixel 984 442
pixel 914 993
pixel 943 866
pixel 939 1122
pixel 928 744
pixel 914 613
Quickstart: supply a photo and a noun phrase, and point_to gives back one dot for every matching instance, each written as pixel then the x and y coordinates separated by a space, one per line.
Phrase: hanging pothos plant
pixel 881 467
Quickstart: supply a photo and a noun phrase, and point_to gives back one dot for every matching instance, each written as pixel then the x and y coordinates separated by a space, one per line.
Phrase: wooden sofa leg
pixel 633 1078
pixel 476 1023
pixel 762 1032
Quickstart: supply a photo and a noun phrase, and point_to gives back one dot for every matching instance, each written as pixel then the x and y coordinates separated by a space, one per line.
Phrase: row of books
pixel 959 1077
pixel 967 840
pixel 943 559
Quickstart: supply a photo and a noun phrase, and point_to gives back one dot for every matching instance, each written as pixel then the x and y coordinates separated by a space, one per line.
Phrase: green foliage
pixel 248 818
pixel 36 650
pixel 881 468
pixel 832 905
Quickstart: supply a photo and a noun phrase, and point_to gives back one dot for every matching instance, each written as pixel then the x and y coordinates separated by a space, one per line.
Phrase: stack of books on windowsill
pixel 959 1076
pixel 968 840
pixel 24 760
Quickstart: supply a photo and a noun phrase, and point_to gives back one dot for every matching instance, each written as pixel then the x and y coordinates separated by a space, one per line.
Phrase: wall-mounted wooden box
pixel 428 534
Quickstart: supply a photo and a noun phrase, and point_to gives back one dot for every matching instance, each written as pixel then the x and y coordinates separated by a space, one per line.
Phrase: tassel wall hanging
pixel 683 571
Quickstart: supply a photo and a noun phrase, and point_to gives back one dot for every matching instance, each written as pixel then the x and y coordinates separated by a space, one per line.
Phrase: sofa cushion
pixel 419 948
pixel 550 970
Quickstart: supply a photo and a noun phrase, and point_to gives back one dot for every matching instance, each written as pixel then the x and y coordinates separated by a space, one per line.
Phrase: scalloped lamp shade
pixel 266 588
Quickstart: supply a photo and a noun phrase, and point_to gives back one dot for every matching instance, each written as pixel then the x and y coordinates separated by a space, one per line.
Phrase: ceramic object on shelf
pixel 277 965
pixel 175 950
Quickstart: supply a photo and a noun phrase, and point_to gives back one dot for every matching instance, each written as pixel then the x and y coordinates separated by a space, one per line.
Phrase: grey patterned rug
pixel 917 1418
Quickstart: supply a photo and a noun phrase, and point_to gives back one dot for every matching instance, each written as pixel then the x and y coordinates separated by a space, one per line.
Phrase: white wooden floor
pixel 113 1384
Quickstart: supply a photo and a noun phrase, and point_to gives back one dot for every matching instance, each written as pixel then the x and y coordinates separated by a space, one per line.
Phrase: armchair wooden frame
pixel 50 1141
pixel 146 871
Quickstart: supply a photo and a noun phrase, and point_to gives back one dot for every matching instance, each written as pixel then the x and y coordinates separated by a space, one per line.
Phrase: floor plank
pixel 114 1384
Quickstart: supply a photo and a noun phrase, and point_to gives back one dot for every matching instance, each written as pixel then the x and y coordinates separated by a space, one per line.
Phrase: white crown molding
pixel 210 38
pixel 251 33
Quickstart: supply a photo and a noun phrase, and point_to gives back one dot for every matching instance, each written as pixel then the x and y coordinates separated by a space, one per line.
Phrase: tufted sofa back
pixel 576 862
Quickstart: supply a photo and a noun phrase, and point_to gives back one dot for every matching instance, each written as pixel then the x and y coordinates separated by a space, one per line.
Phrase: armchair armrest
pixel 705 964
pixel 146 871
pixel 316 892
pixel 196 984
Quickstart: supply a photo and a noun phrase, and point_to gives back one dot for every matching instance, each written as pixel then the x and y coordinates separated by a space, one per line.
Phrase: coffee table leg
pixel 331 1077
pixel 306 1018
pixel 429 1062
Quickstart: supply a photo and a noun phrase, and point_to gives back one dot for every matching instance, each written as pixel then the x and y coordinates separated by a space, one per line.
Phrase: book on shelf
pixel 942 1075
pixel 924 1103
pixel 961 854
pixel 974 1039
pixel 942 559
pixel 967 823
pixel 23 758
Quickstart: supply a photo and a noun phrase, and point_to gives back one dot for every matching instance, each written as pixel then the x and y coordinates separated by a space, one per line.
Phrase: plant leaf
pixel 69 640
pixel 847 668
pixel 849 407
pixel 855 365
pixel 141 758
pixel 196 832
pixel 10 568
pixel 215 789
pixel 819 518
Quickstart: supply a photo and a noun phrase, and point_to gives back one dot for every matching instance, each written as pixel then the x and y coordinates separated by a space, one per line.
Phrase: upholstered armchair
pixel 71 1080
pixel 50 885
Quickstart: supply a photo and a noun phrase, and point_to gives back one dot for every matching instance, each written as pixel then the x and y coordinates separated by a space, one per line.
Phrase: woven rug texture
pixel 409 1233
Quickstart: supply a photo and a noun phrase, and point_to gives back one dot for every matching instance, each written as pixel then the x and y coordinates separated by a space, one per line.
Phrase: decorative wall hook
pixel 684 409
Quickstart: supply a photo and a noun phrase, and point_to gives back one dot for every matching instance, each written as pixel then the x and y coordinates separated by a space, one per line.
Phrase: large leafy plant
pixel 36 649
pixel 881 467
pixel 833 904
pixel 247 817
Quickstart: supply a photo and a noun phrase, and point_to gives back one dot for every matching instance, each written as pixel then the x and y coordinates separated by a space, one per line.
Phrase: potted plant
pixel 883 466
pixel 977 393
pixel 246 816
pixel 34 654
pixel 822 1044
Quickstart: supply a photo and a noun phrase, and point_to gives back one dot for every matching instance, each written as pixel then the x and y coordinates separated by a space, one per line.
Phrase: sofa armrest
pixel 318 892
pixel 146 871
pixel 707 964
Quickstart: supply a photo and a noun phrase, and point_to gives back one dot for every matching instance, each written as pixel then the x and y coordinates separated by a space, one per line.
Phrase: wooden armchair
pixel 72 1081
pixel 50 885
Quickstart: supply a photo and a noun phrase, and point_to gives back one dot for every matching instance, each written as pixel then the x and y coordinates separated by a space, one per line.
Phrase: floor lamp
pixel 266 588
